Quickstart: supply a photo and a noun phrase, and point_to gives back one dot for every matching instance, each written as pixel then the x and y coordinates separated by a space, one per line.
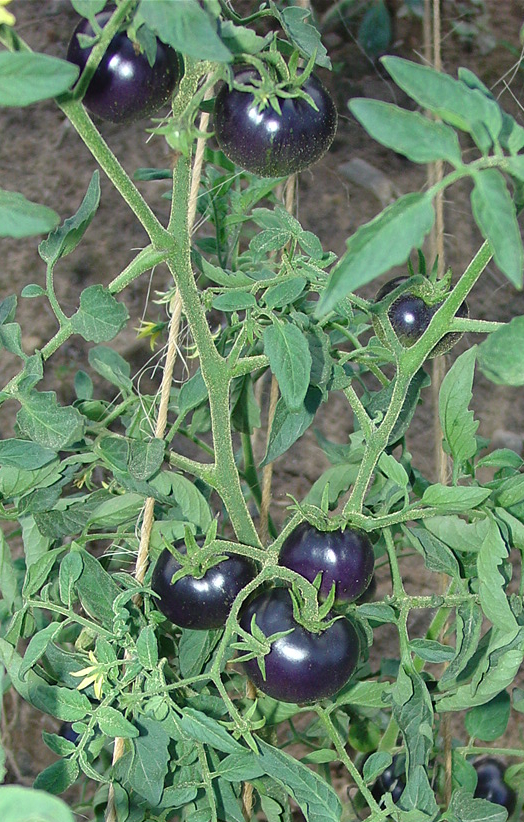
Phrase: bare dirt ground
pixel 41 156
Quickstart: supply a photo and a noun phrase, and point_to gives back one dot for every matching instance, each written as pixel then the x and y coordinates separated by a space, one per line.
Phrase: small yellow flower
pixel 6 16
pixel 151 330
pixel 93 675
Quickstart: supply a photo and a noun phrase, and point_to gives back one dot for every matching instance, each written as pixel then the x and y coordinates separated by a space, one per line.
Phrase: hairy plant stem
pixel 215 369
pixel 84 126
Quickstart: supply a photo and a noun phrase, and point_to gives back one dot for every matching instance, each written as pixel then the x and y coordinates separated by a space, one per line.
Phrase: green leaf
pixel 432 651
pixel 145 458
pixel 234 301
pixel 364 694
pixel 88 8
pixel 186 27
pixel 194 650
pixel 315 797
pixel 278 296
pixel 454 499
pixel 19 804
pixel 27 77
pixel 150 762
pixel 392 469
pixel 457 422
pixel 413 711
pixel 240 767
pixel 374 34
pixel 146 648
pixel 493 599
pixel 304 36
pixel 289 426
pixel 32 290
pixel 65 239
pixel 22 218
pixel 196 725
pixel 110 365
pixel 46 423
pixel 289 360
pixel 192 393
pixel 58 777
pixel 468 625
pixel 189 499
pixel 113 724
pixel 464 808
pixel 451 100
pixel 378 246
pixel 500 355
pixel 489 721
pixel 96 589
pixel 37 647
pixel 375 765
pixel 407 132
pixel 494 213
pixel 9 585
pixel 25 454
pixel 100 316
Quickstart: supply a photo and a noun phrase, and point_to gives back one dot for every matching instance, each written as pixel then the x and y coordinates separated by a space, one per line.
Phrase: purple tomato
pixel 270 144
pixel 301 666
pixel 345 558
pixel 200 603
pixel 125 87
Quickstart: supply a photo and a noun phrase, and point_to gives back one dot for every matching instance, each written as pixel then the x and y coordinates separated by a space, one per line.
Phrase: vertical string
pixel 432 34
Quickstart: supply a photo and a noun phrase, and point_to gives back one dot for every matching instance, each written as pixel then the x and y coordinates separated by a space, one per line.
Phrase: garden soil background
pixel 42 157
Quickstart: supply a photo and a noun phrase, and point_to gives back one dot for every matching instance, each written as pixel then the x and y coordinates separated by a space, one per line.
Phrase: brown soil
pixel 42 157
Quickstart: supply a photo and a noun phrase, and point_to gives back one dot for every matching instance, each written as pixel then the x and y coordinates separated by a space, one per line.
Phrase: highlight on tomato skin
pixel 303 666
pixel 491 785
pixel 345 558
pixel 199 603
pixel 270 144
pixel 125 87
pixel 410 316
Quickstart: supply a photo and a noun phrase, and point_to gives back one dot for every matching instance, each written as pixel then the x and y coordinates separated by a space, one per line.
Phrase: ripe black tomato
pixel 409 316
pixel 344 557
pixel 392 780
pixel 124 86
pixel 491 785
pixel 302 666
pixel 268 143
pixel 205 603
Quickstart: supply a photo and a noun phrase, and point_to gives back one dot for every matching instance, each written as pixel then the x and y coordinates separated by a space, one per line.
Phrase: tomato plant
pixel 298 645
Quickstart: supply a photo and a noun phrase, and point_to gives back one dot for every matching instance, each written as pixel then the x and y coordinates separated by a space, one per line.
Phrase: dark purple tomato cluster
pixel 305 666
pixel 491 785
pixel 125 87
pixel 272 144
pixel 201 603
pixel 409 316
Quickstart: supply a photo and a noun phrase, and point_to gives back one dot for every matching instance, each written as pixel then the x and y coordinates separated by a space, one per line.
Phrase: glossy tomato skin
pixel 392 780
pixel 301 667
pixel 491 785
pixel 268 143
pixel 410 316
pixel 344 557
pixel 124 87
pixel 201 604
